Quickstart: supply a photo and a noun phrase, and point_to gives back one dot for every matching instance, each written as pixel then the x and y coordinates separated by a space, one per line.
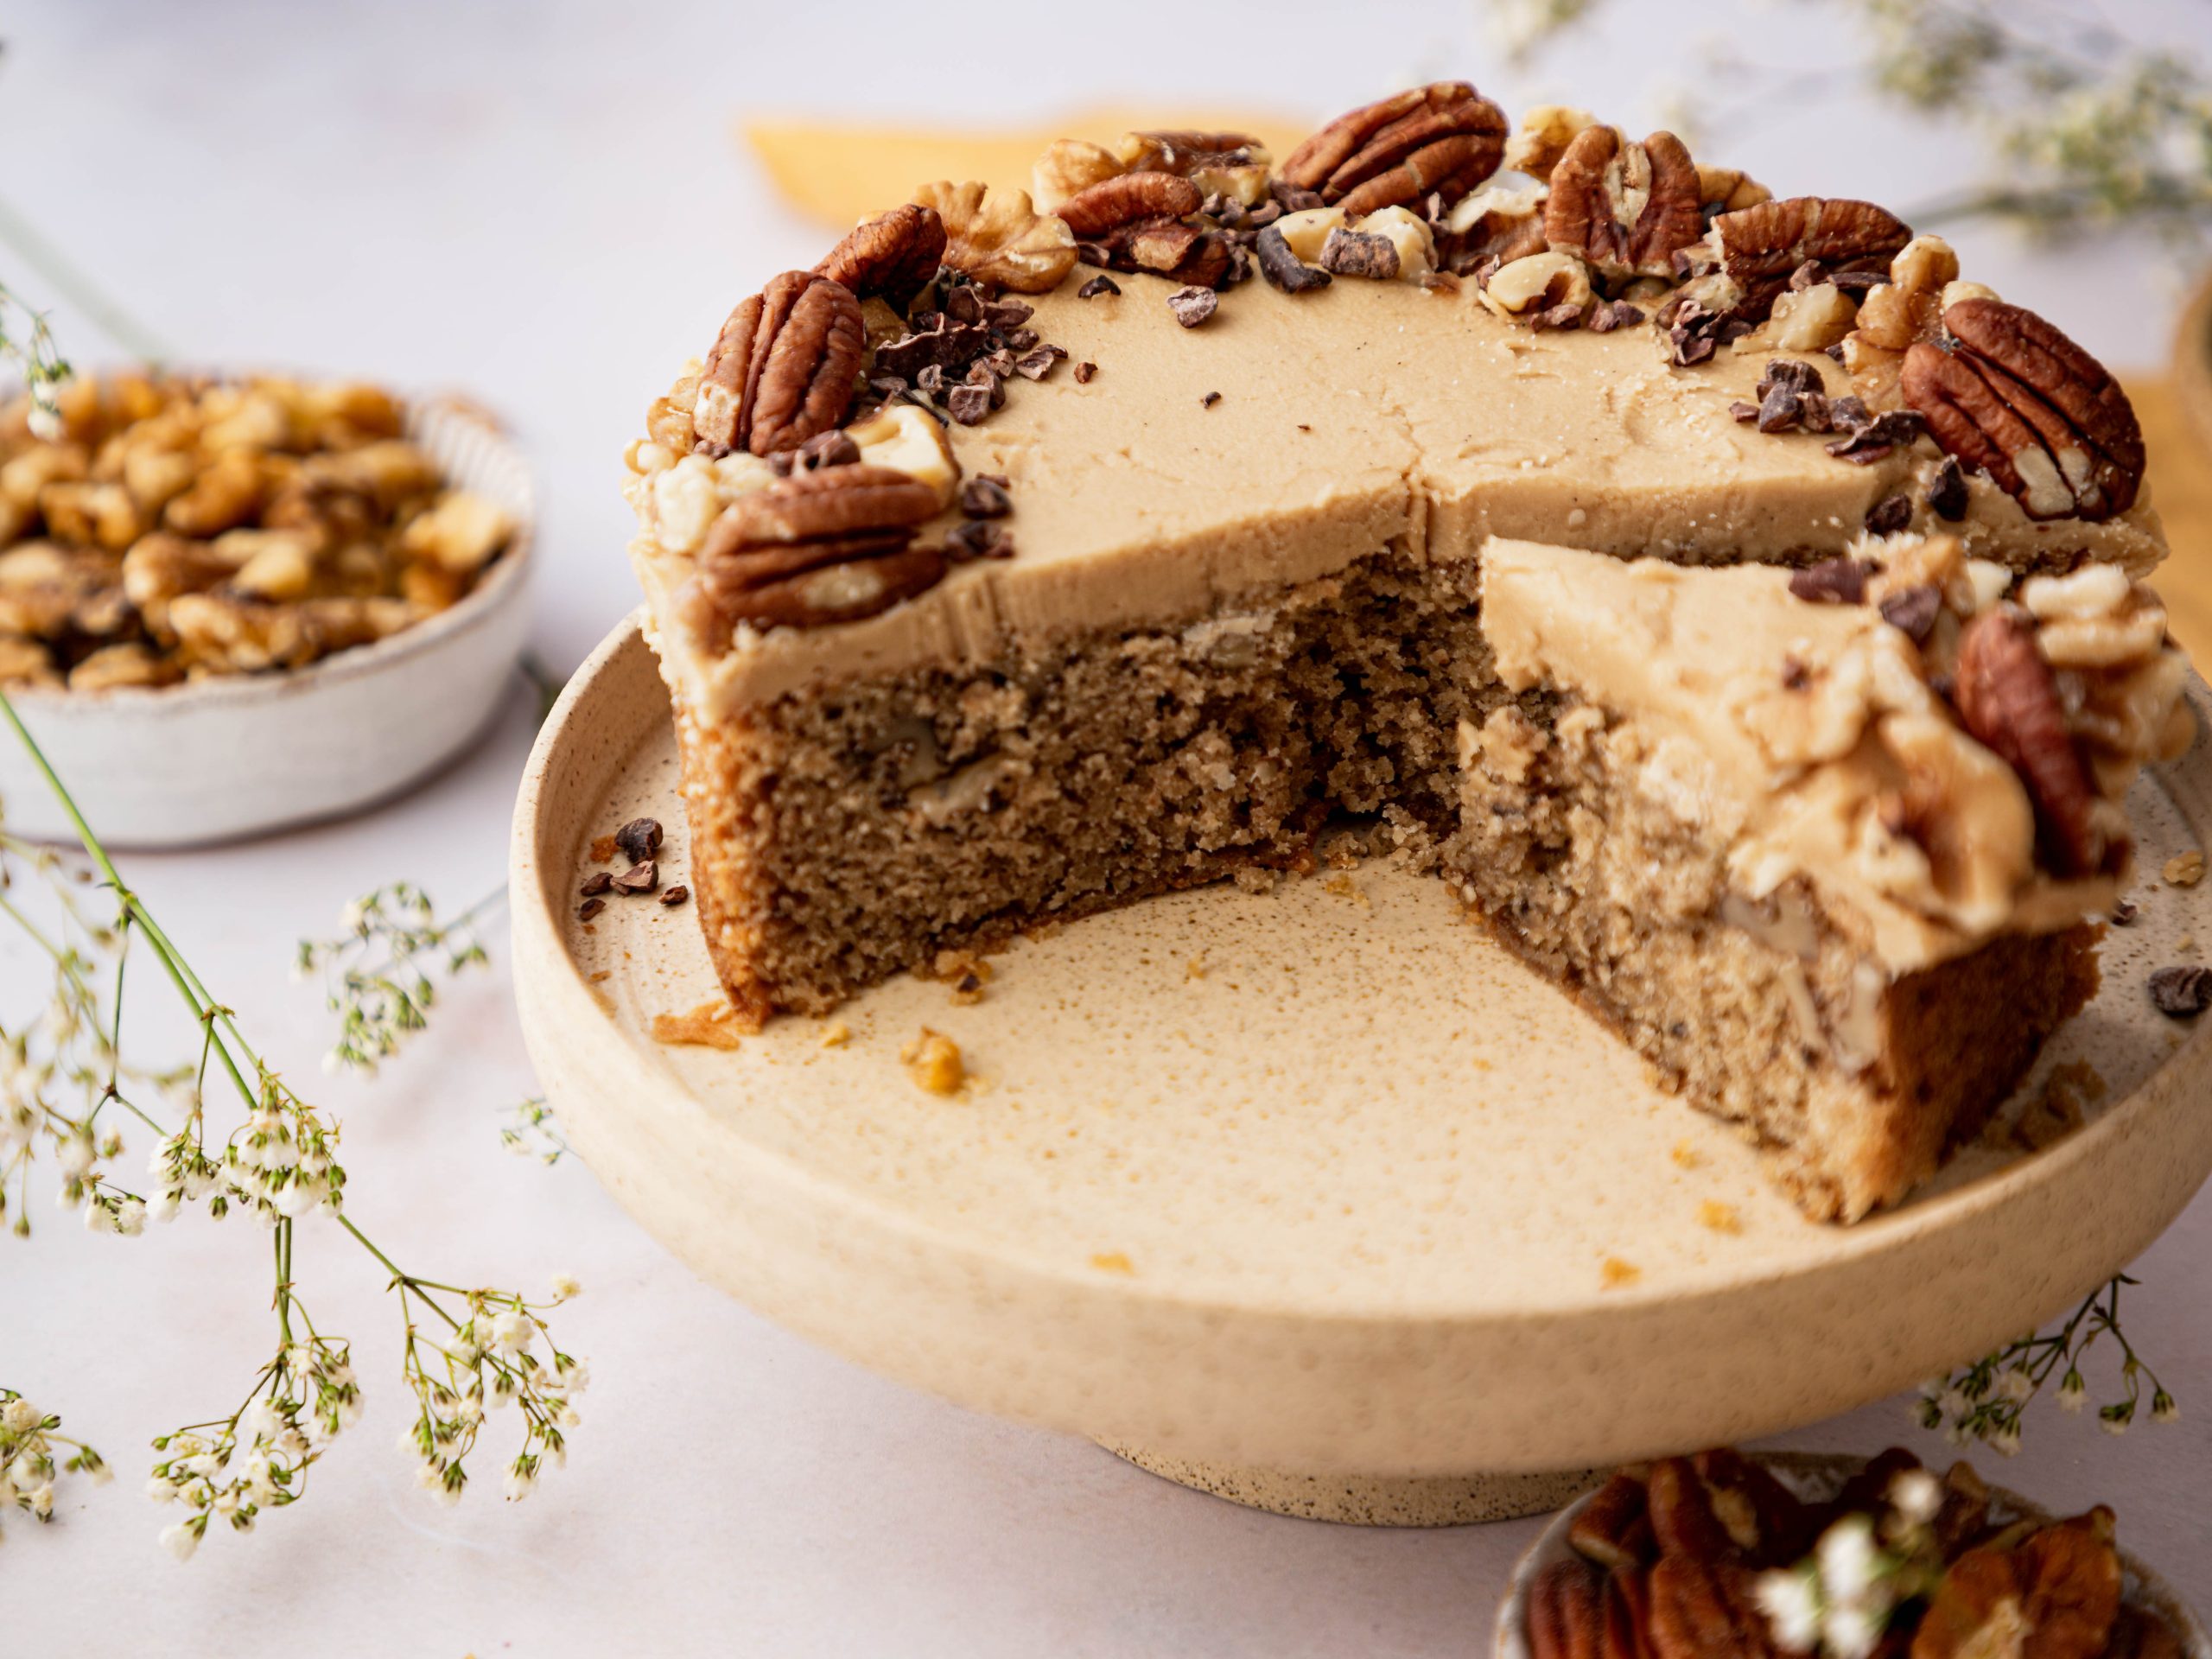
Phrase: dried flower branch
pixel 31 1442
pixel 281 1163
pixel 27 343
pixel 380 974
pixel 1984 1401
pixel 534 1132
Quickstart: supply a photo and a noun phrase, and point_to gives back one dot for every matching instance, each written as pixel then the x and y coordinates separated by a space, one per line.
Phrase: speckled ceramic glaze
pixel 1316 1184
pixel 1819 1476
pixel 214 759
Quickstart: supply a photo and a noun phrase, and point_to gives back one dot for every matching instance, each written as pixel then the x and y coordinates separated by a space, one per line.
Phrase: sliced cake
pixel 1031 555
pixel 1820 846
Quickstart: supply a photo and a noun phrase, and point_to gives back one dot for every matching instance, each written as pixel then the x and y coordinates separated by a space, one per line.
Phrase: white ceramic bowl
pixel 1819 1475
pixel 219 759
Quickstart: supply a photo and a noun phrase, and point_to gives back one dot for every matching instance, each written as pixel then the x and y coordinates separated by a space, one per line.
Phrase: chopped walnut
pixel 934 1061
pixel 292 515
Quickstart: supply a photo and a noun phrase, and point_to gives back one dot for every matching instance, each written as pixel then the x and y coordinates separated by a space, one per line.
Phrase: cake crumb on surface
pixel 934 1063
pixel 1718 1217
pixel 1195 968
pixel 2185 869
pixel 836 1034
pixel 1343 887
pixel 1613 1273
pixel 1686 1155
pixel 603 849
pixel 1113 1262
pixel 1255 878
pixel 711 1025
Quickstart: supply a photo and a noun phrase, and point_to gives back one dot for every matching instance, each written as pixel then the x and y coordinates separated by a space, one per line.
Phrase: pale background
pixel 546 206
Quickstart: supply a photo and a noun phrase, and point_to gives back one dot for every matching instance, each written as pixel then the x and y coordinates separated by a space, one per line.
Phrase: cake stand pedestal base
pixel 1373 1500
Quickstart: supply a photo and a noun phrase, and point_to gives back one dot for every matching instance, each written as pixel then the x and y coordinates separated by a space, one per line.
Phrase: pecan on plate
pixel 1763 1518
pixel 782 369
pixel 890 257
pixel 821 547
pixel 1568 1612
pixel 2017 398
pixel 996 236
pixel 2054 1595
pixel 1624 207
pixel 1759 248
pixel 2008 698
pixel 1443 138
pixel 1613 1529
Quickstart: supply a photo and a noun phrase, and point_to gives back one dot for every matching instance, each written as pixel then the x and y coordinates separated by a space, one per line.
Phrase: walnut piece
pixel 996 236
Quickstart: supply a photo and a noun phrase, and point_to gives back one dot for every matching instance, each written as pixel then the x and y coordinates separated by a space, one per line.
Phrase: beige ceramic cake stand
pixel 1314 1199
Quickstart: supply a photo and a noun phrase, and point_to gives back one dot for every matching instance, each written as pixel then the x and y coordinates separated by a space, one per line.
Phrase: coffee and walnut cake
pixel 1037 552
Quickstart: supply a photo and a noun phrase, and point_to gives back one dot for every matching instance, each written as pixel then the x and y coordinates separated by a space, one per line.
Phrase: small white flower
pixel 73 1157
pixel 181 1540
pixel 1954 1403
pixel 522 1480
pixel 512 1331
pixel 2006 1441
pixel 160 1489
pixel 131 1217
pixel 2014 1384
pixel 165 1207
pixel 1792 1606
pixel 45 424
pixel 2164 1409
pixel 575 1375
pixel 19 1416
pixel 564 1287
pixel 1916 1496
pixel 41 1499
pixel 1852 1630
pixel 2073 1393
pixel 1848 1561
pixel 2112 1425
pixel 261 1420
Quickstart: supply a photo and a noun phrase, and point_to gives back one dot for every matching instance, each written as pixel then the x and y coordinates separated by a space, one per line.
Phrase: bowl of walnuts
pixel 230 605
pixel 1774 1554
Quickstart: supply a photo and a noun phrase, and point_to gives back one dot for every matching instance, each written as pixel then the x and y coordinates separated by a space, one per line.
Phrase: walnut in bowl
pixel 227 605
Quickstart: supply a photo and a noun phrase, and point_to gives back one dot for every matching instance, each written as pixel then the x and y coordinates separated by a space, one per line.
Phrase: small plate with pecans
pixel 1784 1553
pixel 232 604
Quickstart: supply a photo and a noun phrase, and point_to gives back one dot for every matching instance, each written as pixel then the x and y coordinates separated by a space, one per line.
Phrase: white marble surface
pixel 543 204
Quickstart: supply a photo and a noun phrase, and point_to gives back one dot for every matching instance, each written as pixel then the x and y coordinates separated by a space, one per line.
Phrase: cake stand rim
pixel 547 975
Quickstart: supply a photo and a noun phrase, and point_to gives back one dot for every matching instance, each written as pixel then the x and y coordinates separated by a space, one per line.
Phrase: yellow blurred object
pixel 2180 489
pixel 842 173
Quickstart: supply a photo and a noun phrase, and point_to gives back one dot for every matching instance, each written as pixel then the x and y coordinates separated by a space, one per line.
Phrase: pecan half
pixel 859 583
pixel 1623 206
pixel 1760 248
pixel 1444 137
pixel 836 501
pixel 1701 1606
pixel 1612 1529
pixel 782 368
pixel 2017 398
pixel 2007 697
pixel 890 257
pixel 1092 213
pixel 821 547
pixel 1566 1613
pixel 2054 1596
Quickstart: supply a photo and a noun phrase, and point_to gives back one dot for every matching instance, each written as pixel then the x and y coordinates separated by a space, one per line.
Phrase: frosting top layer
pixel 1807 736
pixel 1353 418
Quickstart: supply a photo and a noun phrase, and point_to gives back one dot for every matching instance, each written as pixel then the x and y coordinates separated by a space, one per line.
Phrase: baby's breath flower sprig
pixel 485 1361
pixel 1984 1400
pixel 62 1068
pixel 535 1132
pixel 27 345
pixel 380 974
pixel 280 1163
pixel 34 1453
pixel 1840 1599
